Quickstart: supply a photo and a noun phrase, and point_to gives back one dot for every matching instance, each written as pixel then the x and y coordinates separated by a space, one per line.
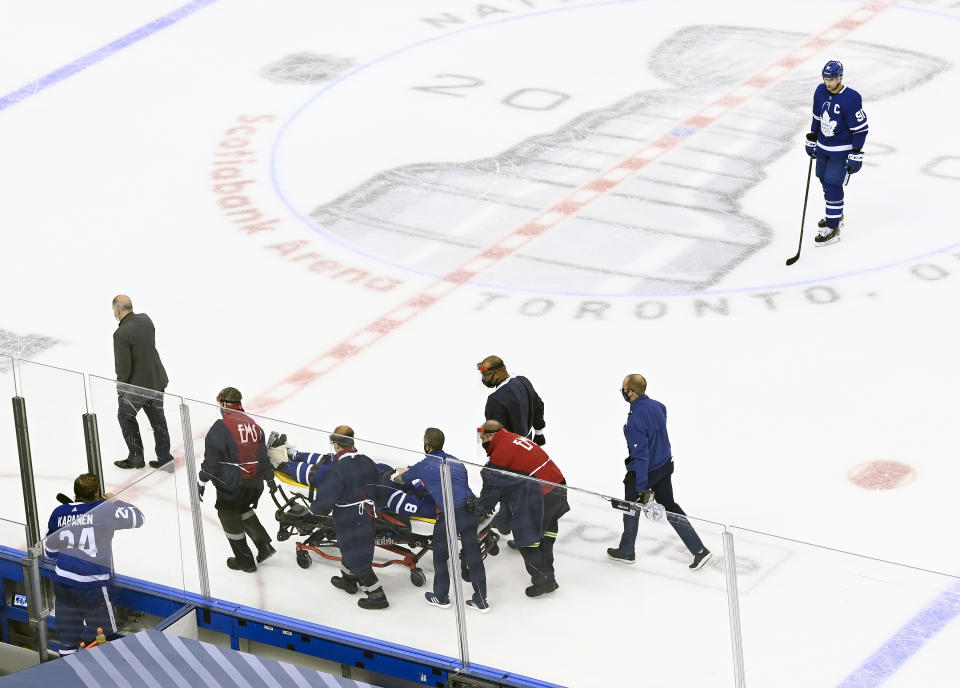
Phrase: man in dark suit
pixel 515 404
pixel 139 370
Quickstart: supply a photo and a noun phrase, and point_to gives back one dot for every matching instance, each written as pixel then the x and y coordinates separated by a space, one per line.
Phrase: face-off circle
pixel 881 475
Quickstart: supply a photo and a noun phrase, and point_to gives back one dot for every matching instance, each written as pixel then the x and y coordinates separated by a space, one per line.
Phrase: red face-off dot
pixel 881 475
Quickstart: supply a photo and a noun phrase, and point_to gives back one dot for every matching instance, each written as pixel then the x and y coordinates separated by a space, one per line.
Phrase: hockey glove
pixel 811 145
pixel 645 496
pixel 200 490
pixel 854 161
pixel 540 439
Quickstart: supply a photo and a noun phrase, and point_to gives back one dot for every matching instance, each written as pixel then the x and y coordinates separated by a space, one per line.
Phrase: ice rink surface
pixel 340 209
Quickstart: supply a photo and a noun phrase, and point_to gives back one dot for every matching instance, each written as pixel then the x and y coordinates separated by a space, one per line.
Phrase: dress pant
pixel 472 556
pixel 128 407
pixel 659 481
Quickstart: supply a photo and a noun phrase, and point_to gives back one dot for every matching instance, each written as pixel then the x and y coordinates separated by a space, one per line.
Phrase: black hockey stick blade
pixel 806 195
pixel 63 499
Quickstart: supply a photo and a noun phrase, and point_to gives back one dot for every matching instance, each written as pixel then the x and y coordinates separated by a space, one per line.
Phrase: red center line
pixel 580 198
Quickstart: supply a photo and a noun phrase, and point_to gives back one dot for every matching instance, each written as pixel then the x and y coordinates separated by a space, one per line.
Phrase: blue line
pixel 90 59
pixel 906 642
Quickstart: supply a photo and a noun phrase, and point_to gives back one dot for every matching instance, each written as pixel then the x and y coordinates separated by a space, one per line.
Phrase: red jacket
pixel 518 454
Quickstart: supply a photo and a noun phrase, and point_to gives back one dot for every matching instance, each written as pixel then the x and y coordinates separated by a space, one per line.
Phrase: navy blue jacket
pixel 348 491
pixel 350 481
pixel 516 404
pixel 648 446
pixel 427 470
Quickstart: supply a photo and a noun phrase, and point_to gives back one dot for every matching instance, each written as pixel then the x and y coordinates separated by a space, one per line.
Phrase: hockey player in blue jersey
pixel 79 538
pixel 837 133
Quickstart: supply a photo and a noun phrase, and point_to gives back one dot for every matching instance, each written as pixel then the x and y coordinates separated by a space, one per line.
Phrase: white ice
pixel 420 134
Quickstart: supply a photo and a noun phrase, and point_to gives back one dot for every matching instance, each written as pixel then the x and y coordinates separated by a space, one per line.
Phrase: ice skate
pixel 828 236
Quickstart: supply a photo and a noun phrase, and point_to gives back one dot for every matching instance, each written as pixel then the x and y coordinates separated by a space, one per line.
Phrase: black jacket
pixel 135 354
pixel 517 405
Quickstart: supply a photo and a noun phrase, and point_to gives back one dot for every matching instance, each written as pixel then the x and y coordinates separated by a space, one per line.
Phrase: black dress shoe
pixel 160 463
pixel 129 463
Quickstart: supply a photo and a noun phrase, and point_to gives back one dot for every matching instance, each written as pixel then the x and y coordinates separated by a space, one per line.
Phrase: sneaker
pixel 240 565
pixel 347 585
pixel 617 555
pixel 481 606
pixel 265 552
pixel 160 463
pixel 136 462
pixel 823 221
pixel 536 590
pixel 827 236
pixel 435 601
pixel 700 558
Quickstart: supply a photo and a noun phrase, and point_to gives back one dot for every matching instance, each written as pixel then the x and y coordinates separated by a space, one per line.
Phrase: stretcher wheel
pixel 493 550
pixel 303 559
pixel 283 535
pixel 418 577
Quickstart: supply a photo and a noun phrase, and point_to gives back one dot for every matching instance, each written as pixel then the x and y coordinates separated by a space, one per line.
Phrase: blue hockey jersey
pixel 80 538
pixel 838 119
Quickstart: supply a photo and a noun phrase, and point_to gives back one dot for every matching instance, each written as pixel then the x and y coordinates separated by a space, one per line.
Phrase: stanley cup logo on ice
pixel 674 227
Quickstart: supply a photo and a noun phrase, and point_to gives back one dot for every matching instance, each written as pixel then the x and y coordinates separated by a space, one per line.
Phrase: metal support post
pixel 36 608
pixel 198 541
pixel 450 521
pixel 91 440
pixel 733 608
pixel 26 471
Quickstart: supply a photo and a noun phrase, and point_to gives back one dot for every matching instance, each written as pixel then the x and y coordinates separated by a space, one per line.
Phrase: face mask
pixel 488 382
pixel 485 445
pixel 426 449
pixel 626 396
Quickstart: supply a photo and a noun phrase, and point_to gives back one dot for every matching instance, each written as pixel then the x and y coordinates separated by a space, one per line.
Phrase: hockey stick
pixel 806 195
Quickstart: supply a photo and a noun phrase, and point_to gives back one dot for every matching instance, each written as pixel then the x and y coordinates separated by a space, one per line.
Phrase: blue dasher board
pixel 151 659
